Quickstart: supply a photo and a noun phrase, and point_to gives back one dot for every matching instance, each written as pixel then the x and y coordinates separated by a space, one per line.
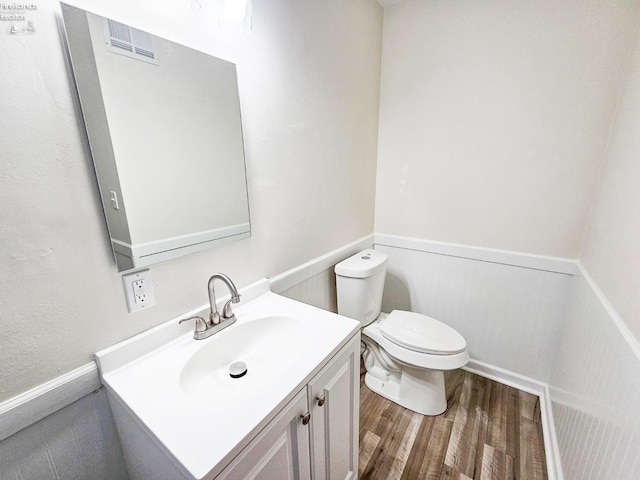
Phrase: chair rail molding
pixel 33 405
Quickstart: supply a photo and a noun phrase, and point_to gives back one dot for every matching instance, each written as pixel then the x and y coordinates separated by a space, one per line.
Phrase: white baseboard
pixel 507 377
pixel 27 408
pixel 552 452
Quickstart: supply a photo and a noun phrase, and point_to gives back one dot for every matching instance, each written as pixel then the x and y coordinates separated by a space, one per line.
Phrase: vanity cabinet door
pixel 280 451
pixel 334 406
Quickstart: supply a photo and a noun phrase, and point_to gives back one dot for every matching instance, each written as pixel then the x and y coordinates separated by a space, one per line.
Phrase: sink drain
pixel 237 369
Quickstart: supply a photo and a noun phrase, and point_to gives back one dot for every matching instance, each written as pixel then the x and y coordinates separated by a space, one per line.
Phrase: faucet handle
pixel 226 310
pixel 201 324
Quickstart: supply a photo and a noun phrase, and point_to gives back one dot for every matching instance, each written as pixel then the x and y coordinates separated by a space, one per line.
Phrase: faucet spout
pixel 215 317
pixel 217 321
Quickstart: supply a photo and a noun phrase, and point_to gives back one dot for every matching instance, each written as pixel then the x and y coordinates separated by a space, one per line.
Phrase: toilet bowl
pixel 406 353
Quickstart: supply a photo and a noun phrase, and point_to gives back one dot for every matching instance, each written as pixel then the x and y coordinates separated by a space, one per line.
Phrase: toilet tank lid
pixel 363 264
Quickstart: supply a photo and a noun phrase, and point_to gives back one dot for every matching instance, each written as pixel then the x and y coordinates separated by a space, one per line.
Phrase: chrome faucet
pixel 214 317
pixel 217 321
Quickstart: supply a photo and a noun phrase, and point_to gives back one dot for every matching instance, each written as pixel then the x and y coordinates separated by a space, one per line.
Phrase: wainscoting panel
pixel 78 441
pixel 314 282
pixel 509 314
pixel 319 291
pixel 595 391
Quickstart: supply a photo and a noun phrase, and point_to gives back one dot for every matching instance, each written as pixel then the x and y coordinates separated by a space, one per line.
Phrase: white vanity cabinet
pixel 181 415
pixel 280 451
pixel 334 404
pixel 316 435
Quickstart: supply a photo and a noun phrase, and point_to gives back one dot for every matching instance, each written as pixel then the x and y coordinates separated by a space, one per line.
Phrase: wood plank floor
pixel 489 432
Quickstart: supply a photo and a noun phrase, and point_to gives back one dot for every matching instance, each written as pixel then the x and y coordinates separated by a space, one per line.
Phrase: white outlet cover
pixel 141 296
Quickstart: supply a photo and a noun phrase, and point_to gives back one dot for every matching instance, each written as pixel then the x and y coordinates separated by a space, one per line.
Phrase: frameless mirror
pixel 163 123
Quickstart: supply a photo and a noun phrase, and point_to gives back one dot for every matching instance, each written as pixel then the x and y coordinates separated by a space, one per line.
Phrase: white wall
pixel 308 79
pixel 494 118
pixel 515 127
pixel 610 251
pixel 595 385
pixel 309 84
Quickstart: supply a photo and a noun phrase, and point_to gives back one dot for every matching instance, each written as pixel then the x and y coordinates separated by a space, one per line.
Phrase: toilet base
pixel 420 390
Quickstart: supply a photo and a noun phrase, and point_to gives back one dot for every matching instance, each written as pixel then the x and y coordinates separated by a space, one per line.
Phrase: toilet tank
pixel 359 285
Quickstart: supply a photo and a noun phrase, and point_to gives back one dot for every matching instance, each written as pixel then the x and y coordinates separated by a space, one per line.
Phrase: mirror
pixel 163 123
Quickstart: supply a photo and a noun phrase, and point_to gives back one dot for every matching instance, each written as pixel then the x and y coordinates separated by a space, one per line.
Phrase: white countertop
pixel 203 432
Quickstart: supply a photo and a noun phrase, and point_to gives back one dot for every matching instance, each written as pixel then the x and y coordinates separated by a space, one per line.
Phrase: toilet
pixel 405 353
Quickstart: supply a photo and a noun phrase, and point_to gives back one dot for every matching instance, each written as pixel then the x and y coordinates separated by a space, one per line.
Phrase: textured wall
pixel 494 118
pixel 78 442
pixel 309 86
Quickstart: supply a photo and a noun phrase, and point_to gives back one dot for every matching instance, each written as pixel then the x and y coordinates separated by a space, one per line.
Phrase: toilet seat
pixel 411 356
pixel 421 333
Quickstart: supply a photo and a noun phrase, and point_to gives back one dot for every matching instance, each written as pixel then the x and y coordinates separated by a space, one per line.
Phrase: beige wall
pixel 493 133
pixel 611 250
pixel 494 118
pixel 309 84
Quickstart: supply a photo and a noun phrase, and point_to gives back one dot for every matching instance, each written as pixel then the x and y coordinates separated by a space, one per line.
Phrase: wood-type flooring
pixel 489 432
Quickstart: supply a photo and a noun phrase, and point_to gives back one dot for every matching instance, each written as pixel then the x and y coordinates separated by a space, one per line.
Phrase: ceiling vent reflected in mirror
pixel 129 41
pixel 169 161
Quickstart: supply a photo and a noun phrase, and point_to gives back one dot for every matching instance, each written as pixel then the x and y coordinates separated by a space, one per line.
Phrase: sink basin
pixel 174 400
pixel 267 346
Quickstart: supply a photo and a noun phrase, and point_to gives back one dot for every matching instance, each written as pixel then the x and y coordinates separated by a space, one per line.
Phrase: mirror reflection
pixel 163 123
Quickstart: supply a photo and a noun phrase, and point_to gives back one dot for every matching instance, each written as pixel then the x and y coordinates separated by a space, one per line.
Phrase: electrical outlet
pixel 139 290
